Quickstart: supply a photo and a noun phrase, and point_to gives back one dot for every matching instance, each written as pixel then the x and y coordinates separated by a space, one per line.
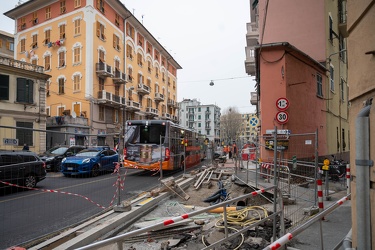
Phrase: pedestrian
pixel 234 151
pixel 25 147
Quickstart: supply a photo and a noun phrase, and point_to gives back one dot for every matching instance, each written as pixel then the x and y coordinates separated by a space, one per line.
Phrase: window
pixel 35 41
pixel 157 72
pixel 24 136
pixel 129 52
pixel 331 82
pixel 342 48
pixel 61 86
pixel 342 89
pixel 48 111
pixel 34 61
pixel 101 113
pixel 148 82
pixel 10 45
pixel 77 55
pixel 199 117
pixel 23 23
pixel 23 45
pixel 61 59
pixel 101 84
pixel 140 78
pixel 117 65
pixel 47 62
pixel 35 18
pixel 4 87
pixel 60 110
pixel 130 31
pixel 116 42
pixel 199 125
pixel 47 37
pixel 149 66
pixel 77 108
pixel 117 90
pixel 62 7
pixel 25 90
pixel 319 85
pixel 115 116
pixel 117 20
pixel 101 56
pixel 77 3
pixel 332 34
pixel 100 5
pixel 163 76
pixel 48 13
pixel 76 83
pixel 139 59
pixel 77 26
pixel 130 74
pixel 100 31
pixel 62 31
pixel 47 87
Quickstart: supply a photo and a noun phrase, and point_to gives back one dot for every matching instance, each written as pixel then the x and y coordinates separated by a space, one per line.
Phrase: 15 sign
pixel 282 117
pixel 282 104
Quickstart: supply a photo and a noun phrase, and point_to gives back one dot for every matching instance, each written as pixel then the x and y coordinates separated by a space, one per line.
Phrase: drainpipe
pixel 363 163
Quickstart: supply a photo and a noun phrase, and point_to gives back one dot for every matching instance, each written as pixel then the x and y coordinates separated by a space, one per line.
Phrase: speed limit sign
pixel 282 117
pixel 282 104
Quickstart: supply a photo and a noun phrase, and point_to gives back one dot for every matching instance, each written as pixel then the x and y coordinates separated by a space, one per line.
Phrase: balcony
pixel 151 111
pixel 174 118
pixel 159 97
pixel 254 98
pixel 143 89
pixel 109 99
pixel 166 116
pixel 21 65
pixel 171 103
pixel 119 77
pixel 133 106
pixel 104 70
pixel 67 120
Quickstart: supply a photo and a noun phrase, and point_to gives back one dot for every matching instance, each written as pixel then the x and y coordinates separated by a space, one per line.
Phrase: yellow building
pixel 91 48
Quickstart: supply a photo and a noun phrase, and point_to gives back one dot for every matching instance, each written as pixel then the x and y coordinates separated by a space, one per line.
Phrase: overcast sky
pixel 206 37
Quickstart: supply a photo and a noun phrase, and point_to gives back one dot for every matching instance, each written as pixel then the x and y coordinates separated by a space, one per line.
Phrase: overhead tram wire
pixel 221 79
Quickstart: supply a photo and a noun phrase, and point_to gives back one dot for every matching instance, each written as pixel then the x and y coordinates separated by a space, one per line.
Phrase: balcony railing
pixel 152 111
pixel 171 102
pixel 119 77
pixel 159 97
pixel 143 89
pixel 166 116
pixel 21 65
pixel 133 106
pixel 108 98
pixel 103 69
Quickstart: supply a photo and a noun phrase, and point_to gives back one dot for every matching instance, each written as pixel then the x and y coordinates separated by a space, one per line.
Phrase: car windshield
pixel 57 150
pixel 88 152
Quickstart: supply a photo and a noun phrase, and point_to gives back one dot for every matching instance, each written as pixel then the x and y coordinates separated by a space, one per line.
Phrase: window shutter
pixel 114 41
pixel 97 29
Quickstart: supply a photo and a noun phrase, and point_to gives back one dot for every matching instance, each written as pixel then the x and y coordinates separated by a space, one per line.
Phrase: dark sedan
pixel 90 161
pixel 23 168
pixel 54 155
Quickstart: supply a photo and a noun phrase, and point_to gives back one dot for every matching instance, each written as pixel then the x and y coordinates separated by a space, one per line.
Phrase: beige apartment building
pixel 106 67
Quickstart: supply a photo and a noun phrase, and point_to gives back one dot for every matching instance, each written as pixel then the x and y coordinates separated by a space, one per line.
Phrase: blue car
pixel 90 161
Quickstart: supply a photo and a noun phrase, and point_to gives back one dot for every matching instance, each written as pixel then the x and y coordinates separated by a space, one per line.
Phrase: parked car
pixel 54 155
pixel 90 161
pixel 23 168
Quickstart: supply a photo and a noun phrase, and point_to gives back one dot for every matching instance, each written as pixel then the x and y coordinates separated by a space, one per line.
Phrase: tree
pixel 230 124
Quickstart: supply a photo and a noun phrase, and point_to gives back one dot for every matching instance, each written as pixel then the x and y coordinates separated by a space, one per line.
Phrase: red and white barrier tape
pixel 53 191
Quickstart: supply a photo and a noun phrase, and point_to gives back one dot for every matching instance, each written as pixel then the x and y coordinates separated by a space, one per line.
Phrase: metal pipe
pixel 363 162
pixel 274 180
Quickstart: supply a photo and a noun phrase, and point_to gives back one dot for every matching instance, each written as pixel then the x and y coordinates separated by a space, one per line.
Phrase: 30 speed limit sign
pixel 282 117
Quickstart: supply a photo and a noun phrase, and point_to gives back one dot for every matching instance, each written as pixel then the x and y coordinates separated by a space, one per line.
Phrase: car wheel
pixel 30 181
pixel 95 170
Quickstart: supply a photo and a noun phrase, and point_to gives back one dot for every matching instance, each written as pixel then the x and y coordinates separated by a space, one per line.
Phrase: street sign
pixel 9 141
pixel 282 104
pixel 279 131
pixel 282 117
pixel 253 121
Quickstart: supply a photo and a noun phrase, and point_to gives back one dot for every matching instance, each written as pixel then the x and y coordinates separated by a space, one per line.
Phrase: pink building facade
pixel 288 73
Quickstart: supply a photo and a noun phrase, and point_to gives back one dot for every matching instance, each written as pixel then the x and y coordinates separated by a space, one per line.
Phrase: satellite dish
pixel 74 115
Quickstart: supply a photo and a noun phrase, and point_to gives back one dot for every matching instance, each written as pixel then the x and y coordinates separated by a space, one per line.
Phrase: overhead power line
pixel 221 79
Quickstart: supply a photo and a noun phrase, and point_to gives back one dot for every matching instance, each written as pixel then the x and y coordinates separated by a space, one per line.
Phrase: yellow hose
pixel 240 218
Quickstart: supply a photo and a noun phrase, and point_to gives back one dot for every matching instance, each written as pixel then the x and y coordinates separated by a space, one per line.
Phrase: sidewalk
pixel 332 230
